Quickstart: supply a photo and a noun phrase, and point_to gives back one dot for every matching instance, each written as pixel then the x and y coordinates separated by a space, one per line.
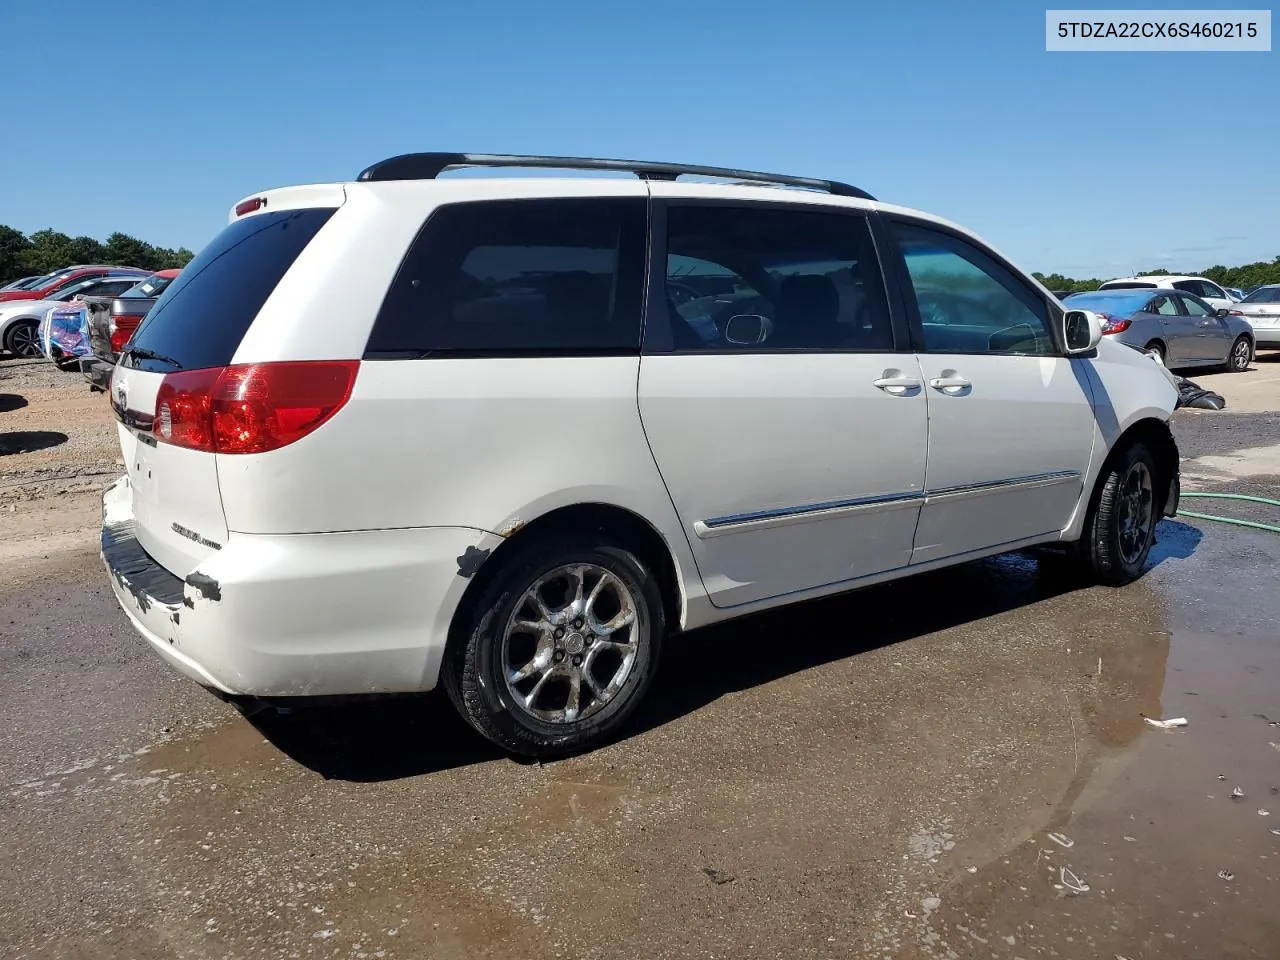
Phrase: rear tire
pixel 535 668
pixel 1240 356
pixel 1156 347
pixel 1121 523
pixel 22 339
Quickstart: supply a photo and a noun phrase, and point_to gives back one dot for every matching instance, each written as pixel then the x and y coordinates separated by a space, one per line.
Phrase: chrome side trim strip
pixel 966 491
pixel 834 509
pixel 785 516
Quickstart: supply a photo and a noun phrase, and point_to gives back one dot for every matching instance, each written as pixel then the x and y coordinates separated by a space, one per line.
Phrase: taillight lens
pixel 1112 324
pixel 1235 313
pixel 251 408
pixel 122 328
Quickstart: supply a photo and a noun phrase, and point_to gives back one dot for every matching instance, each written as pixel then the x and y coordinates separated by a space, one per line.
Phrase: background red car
pixel 62 278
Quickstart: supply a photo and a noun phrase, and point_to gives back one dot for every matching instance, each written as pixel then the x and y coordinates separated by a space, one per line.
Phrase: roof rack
pixel 428 166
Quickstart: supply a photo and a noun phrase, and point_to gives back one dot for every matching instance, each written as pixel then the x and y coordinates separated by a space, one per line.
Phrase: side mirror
pixel 747 329
pixel 1221 313
pixel 1082 331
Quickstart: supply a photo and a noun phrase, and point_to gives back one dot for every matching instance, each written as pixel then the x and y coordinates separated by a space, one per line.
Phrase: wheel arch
pixel 1159 438
pixel 625 526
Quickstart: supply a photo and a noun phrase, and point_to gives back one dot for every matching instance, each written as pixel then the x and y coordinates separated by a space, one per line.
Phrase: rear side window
pixel 760 278
pixel 203 315
pixel 519 277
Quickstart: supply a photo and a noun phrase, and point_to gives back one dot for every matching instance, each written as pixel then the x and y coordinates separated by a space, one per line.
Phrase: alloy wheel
pixel 1137 512
pixel 571 643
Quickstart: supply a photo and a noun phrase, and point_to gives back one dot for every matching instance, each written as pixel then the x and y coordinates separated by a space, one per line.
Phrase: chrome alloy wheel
pixel 571 643
pixel 1137 511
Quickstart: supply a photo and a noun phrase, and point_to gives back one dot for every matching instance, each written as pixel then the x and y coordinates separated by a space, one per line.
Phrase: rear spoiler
pixel 331 195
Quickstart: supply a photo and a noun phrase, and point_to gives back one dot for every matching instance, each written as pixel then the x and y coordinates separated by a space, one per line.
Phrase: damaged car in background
pixel 111 321
pixel 416 430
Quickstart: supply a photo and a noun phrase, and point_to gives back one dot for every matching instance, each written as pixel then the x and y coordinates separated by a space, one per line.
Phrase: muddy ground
pixel 951 766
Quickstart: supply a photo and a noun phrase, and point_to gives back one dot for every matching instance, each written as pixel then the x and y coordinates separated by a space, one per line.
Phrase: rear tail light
pixel 1112 324
pixel 1235 313
pixel 122 328
pixel 251 408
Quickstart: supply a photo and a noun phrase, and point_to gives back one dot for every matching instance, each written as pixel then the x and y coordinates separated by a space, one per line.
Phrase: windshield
pixel 150 287
pixel 1109 301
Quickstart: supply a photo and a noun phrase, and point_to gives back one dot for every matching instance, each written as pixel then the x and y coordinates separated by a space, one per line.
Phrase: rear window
pixel 519 277
pixel 1116 301
pixel 1128 285
pixel 201 318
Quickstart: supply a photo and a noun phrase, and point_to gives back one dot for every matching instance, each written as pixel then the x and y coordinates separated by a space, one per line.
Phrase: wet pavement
pixel 956 765
pixel 874 775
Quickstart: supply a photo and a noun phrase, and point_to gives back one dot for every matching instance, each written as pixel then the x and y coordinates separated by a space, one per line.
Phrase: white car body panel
pixel 788 472
pixel 335 564
pixel 1007 455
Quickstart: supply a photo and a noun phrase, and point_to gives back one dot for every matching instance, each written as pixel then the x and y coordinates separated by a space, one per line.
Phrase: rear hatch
pixel 191 333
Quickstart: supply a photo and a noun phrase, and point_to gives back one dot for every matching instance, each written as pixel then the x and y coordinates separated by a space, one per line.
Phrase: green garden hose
pixel 1252 524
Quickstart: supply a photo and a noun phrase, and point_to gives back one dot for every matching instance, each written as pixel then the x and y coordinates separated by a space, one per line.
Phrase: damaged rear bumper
pixel 322 614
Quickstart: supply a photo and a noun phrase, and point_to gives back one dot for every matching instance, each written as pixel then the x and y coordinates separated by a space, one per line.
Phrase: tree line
pixel 47 250
pixel 1242 277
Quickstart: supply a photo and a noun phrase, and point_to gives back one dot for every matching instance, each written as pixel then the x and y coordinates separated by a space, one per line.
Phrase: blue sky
pixel 1093 164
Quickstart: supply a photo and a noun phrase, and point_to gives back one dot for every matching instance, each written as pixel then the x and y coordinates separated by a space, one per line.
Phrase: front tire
pixel 1121 524
pixel 23 339
pixel 1240 356
pixel 561 646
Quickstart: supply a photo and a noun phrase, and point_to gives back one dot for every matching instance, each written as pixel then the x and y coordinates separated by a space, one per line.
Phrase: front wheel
pixel 1120 527
pixel 23 339
pixel 560 649
pixel 1240 355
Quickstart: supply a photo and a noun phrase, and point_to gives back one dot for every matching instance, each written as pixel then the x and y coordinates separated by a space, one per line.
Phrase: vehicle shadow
pixel 11 401
pixel 28 441
pixel 391 738
pixel 372 740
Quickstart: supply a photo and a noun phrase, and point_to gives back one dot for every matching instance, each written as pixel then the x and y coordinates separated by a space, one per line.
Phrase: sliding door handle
pixel 952 385
pixel 897 386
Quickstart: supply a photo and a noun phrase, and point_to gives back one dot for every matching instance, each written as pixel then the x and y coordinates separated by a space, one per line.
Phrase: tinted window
pixel 205 312
pixel 519 277
pixel 1208 289
pixel 1128 285
pixel 769 278
pixel 1196 308
pixel 1163 305
pixel 1263 295
pixel 967 301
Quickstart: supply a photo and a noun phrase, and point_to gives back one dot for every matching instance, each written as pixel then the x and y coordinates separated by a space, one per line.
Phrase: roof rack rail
pixel 428 166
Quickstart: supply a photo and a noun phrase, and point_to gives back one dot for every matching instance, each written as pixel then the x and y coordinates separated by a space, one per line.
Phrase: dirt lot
pixel 951 766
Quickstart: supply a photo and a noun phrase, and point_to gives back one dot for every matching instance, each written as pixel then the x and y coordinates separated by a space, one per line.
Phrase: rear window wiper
pixel 144 354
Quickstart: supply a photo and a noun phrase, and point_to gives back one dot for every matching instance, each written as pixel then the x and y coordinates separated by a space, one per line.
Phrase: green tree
pixel 48 250
pixel 86 250
pixel 13 244
pixel 128 251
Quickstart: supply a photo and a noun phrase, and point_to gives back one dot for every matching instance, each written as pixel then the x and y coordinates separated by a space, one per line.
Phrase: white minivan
pixel 511 435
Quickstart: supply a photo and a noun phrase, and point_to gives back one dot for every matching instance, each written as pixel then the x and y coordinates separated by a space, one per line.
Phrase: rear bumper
pixel 97 372
pixel 1267 337
pixel 297 615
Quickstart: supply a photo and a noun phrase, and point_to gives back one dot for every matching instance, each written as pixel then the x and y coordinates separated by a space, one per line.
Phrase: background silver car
pixel 1180 327
pixel 1262 309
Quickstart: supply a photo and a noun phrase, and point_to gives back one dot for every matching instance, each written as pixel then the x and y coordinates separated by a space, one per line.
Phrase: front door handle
pixel 952 384
pixel 897 386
